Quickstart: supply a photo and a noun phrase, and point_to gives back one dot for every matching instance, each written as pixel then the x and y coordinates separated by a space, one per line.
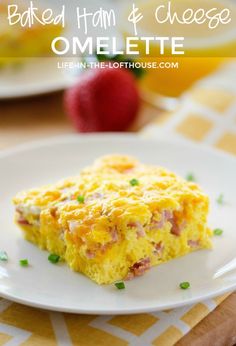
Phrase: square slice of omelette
pixel 117 219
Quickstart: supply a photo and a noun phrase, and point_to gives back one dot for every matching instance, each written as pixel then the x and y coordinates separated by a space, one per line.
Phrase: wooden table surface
pixel 33 118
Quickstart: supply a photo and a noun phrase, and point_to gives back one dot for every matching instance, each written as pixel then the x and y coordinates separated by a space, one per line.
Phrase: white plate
pixel 33 77
pixel 56 287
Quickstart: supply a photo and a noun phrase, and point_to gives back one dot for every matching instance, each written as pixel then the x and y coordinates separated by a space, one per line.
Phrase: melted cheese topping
pixel 120 229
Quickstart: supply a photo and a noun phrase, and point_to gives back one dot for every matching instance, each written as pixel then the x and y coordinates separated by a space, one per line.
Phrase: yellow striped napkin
pixel 207 114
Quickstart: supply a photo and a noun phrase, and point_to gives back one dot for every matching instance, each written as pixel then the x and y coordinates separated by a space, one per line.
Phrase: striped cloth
pixel 207 114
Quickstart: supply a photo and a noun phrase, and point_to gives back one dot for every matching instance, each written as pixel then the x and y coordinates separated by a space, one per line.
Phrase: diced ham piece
pixel 193 243
pixel 140 230
pixel 139 268
pixel 166 215
pixel 158 248
pixel 131 224
pixel 22 221
pixel 114 234
pixel 176 229
pixel 90 254
pixel 128 170
pixel 141 233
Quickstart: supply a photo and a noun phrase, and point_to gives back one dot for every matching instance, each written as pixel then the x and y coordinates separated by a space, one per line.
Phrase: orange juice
pixel 205 48
pixel 172 82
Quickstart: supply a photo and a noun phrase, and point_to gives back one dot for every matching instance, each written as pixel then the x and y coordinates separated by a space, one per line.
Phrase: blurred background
pixel 40 99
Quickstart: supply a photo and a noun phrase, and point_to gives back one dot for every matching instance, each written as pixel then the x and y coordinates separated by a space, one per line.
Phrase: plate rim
pixel 35 87
pixel 70 138
pixel 121 311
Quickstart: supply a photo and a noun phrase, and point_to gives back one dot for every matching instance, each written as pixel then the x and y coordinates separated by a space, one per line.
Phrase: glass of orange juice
pixel 205 48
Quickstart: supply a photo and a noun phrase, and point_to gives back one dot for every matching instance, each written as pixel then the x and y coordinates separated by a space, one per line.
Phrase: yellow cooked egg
pixel 116 219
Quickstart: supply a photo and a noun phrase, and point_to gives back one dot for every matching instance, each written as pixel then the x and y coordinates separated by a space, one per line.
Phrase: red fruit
pixel 103 100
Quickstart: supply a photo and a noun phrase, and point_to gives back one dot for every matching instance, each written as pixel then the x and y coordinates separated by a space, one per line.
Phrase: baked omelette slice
pixel 116 219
